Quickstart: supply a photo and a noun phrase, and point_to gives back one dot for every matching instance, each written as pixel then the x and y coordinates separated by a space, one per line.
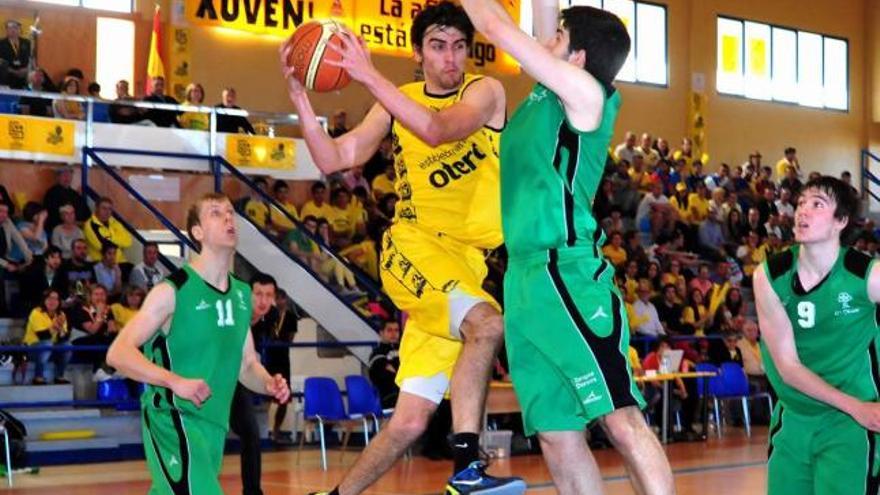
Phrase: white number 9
pixel 807 314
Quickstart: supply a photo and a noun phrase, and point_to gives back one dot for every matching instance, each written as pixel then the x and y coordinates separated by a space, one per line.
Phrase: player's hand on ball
pixel 355 56
pixel 294 87
pixel 277 387
pixel 867 414
pixel 195 391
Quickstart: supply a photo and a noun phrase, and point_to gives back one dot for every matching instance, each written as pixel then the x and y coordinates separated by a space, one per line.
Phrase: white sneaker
pixel 101 375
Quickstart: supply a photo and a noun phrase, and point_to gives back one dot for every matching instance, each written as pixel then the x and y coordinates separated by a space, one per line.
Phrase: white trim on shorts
pixel 432 388
pixel 460 304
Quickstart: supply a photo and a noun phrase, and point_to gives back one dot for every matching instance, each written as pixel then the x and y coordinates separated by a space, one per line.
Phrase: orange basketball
pixel 310 54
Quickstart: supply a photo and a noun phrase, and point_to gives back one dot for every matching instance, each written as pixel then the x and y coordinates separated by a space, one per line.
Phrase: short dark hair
pixel 318 186
pixel 847 203
pixel 443 14
pixel 107 247
pixel 337 192
pixel 790 150
pixel 50 251
pixel 279 185
pixel 30 211
pixel 261 181
pixel 263 279
pixel 104 199
pixel 151 244
pixel 310 218
pixel 94 87
pixel 603 36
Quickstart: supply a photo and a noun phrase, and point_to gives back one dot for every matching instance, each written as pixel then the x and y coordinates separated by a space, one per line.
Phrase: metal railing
pixel 868 177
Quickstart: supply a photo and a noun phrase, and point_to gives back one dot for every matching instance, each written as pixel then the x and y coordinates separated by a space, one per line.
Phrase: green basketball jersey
pixel 834 325
pixel 204 340
pixel 549 175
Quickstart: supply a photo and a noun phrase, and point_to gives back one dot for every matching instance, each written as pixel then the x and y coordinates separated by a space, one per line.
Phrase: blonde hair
pixel 189 90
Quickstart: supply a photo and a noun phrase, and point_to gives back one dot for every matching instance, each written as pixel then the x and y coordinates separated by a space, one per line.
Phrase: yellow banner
pixel 758 59
pixel 37 135
pixel 730 54
pixel 697 126
pixel 384 24
pixel 261 152
pixel 180 58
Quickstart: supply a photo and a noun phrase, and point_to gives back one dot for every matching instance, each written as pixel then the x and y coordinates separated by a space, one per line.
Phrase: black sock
pixel 465 449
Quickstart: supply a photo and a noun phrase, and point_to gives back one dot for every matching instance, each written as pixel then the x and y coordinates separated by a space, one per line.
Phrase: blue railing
pixel 868 177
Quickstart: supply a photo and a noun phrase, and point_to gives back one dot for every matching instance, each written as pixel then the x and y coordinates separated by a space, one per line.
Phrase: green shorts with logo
pixel 567 339
pixel 826 454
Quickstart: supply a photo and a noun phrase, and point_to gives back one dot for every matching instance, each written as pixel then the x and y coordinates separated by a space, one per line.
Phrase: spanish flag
pixel 155 66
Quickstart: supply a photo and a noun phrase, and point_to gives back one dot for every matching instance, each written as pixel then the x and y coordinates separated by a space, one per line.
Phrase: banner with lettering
pixel 383 24
pixel 261 151
pixel 37 135
pixel 180 62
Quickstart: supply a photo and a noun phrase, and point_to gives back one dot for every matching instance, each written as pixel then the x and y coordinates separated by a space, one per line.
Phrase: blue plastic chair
pixel 323 405
pixel 363 402
pixel 714 387
pixel 113 390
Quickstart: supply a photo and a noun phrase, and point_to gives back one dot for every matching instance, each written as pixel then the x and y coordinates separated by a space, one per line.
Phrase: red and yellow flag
pixel 155 66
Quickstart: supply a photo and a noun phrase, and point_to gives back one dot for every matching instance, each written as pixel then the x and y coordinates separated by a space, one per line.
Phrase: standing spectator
pixel 33 227
pixel 67 231
pixel 128 306
pixel 102 229
pixel 44 273
pixel 626 149
pixel 789 159
pixel 122 113
pixel 280 222
pixel 77 273
pixel 338 124
pixel 69 109
pixel 232 123
pixel 107 272
pixel 644 319
pixel 150 270
pixel 34 105
pixel 162 118
pixel 62 193
pixel 384 363
pixel 278 327
pixel 197 121
pixel 16 52
pixel 318 206
pixel 47 326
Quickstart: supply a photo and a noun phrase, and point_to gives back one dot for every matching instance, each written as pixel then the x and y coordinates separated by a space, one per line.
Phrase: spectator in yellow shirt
pixel 318 206
pixel 651 155
pixel 279 221
pixel 197 121
pixel 344 220
pixel 788 160
pixel 384 183
pixel 695 315
pixel 102 229
pixel 614 250
pixel 130 304
pixel 673 274
pixel 680 201
pixel 698 203
pixel 46 326
pixel 256 208
pixel 640 174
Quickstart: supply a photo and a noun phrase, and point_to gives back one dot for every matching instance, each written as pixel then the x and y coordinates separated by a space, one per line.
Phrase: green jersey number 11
pixel 225 316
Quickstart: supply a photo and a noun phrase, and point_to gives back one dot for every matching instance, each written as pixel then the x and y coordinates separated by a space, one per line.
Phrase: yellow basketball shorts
pixel 436 280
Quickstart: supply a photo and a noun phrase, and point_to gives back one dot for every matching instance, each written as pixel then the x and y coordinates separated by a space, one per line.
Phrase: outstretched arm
pixel 483 103
pixel 581 94
pixel 777 333
pixel 125 354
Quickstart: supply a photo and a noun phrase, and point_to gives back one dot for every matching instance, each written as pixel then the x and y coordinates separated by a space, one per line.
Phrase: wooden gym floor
pixel 732 465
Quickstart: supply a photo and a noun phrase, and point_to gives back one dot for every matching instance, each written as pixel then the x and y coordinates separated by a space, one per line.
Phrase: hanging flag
pixel 155 67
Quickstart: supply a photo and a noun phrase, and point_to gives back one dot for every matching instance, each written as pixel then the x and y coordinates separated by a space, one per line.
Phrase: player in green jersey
pixel 817 307
pixel 194 329
pixel 566 329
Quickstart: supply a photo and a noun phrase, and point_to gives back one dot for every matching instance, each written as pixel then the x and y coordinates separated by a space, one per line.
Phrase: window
pixel 646 23
pixel 111 5
pixel 114 56
pixel 764 62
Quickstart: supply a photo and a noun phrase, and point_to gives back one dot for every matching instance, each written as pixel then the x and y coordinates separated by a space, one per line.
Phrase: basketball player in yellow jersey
pixel 445 133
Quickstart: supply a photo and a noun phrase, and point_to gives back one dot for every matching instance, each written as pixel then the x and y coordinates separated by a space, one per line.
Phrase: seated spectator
pixel 44 273
pixel 639 174
pixel 698 202
pixel 128 306
pixel 338 123
pixel 702 281
pixel 125 114
pixel 695 315
pixel 47 326
pixel 150 271
pixel 363 253
pixel 67 231
pixel 61 193
pixel 10 240
pixel 643 318
pixel 384 183
pixel 94 90
pixel 345 220
pixel 626 149
pixel 731 203
pixel 197 121
pixel 107 272
pixel 766 205
pixel 33 227
pixel 626 195
pixel 669 310
pixel 712 244
pixel 318 206
pixel 102 229
pixel 331 269
pixel 35 105
pixel 751 254
pixel 652 201
pixel 654 391
pixel 280 222
pixel 730 313
pixel 680 202
pixel 663 149
pixel 384 363
pixel 256 207
pixel 736 229
pixel 69 109
pixel 92 323
pixel 672 274
pixel 754 223
pixel 304 247
pixel 603 204
pixel 633 246
pixel 697 176
pixel 162 118
pixel 773 226
pixel 77 273
pixel 788 160
pixel 614 250
pixel 784 204
pixel 651 156
pixel 728 352
pixel 654 277
pixel 354 177
pixel 763 181
pixel 232 123
pixel 686 153
pixel 791 181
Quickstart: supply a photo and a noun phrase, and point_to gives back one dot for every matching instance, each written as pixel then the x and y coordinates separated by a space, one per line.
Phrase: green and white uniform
pixel 815 448
pixel 566 329
pixel 184 443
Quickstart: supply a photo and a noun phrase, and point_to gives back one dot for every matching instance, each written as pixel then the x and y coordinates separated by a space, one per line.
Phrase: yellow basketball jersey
pixel 454 188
